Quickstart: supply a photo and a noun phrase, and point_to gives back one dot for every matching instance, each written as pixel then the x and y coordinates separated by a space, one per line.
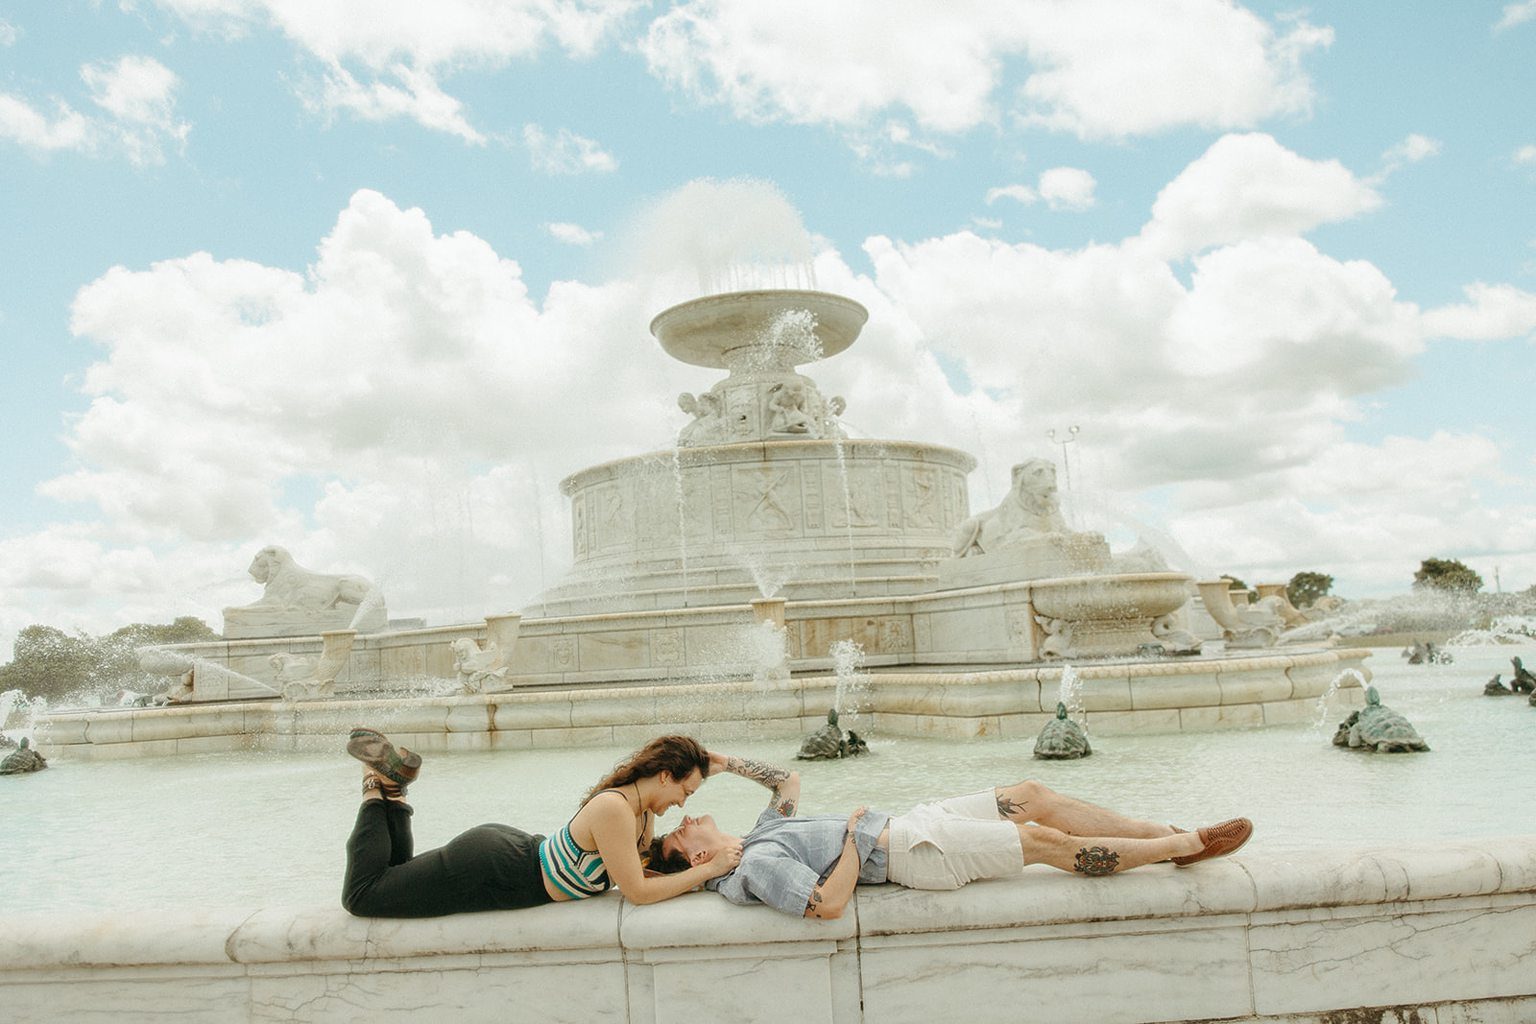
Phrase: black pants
pixel 490 867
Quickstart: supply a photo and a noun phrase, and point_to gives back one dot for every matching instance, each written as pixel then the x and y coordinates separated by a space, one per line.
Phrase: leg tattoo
pixel 1094 861
pixel 1008 807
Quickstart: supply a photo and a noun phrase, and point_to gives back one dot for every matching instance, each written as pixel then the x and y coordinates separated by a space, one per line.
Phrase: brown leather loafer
pixel 397 767
pixel 1220 840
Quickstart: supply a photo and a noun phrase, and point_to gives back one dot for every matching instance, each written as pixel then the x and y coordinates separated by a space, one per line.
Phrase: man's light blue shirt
pixel 783 859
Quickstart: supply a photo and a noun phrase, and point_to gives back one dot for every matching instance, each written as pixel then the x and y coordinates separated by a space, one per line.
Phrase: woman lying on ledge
pixel 498 867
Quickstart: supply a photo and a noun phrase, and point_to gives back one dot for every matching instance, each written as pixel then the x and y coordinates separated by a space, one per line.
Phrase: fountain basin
pixel 712 331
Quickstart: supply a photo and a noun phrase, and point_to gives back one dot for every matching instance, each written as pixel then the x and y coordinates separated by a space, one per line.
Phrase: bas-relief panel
pixel 612 516
pixel 922 499
pixel 884 634
pixel 562 654
pixel 656 511
pixel 667 647
pixel 861 505
pixel 765 500
pixel 581 527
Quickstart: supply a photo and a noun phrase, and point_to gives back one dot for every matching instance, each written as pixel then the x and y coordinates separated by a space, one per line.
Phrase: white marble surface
pixel 1430 933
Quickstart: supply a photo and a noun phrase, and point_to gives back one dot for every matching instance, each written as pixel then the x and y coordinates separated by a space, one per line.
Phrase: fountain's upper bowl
pixel 711 330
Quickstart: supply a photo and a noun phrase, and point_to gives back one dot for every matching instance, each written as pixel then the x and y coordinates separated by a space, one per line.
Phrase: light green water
pixel 248 830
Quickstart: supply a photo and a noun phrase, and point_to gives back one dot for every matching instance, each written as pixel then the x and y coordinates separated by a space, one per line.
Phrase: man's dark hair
pixel 665 863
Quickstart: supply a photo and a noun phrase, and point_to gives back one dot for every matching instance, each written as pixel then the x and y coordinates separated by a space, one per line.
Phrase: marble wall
pixel 1433 934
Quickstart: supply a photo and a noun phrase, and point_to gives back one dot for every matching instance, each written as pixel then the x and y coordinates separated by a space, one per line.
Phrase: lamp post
pixel 1071 435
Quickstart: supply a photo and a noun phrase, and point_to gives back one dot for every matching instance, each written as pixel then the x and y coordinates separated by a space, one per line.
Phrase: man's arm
pixel 830 898
pixel 784 783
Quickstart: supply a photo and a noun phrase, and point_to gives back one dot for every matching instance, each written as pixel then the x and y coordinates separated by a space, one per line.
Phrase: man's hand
pixel 722 862
pixel 830 897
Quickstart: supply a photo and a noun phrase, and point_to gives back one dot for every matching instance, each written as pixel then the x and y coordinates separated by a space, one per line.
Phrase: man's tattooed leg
pixel 1008 807
pixel 1096 860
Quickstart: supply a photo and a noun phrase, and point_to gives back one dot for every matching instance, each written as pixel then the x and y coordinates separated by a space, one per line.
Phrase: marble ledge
pixel 1261 890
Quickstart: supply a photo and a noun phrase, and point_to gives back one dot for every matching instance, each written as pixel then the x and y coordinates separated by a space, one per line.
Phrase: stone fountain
pixel 763 495
pixel 730 567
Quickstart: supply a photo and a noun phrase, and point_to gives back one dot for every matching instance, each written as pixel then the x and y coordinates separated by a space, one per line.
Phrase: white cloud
pixel 1410 150
pixel 8 33
pixel 566 152
pixel 448 33
pixel 137 96
pixel 34 130
pixel 1516 14
pixel 842 64
pixel 1491 312
pixel 1067 188
pixel 1525 155
pixel 572 234
pixel 1018 193
pixel 1122 67
pixel 386 58
pixel 1249 186
pixel 417 96
pixel 1109 68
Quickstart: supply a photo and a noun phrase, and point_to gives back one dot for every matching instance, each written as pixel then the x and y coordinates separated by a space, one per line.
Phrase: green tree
pixel 50 663
pixel 1446 574
pixel 1306 587
pixel 1233 583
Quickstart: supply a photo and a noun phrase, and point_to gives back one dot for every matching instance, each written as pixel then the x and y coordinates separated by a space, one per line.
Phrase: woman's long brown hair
pixel 679 755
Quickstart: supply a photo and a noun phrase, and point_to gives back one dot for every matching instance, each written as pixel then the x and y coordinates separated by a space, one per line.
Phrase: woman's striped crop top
pixel 576 872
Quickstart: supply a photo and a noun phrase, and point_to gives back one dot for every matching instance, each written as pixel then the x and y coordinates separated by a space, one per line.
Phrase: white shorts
pixel 946 844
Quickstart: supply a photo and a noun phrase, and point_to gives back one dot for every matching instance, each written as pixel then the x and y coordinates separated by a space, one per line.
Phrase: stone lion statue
pixel 291 587
pixel 1031 509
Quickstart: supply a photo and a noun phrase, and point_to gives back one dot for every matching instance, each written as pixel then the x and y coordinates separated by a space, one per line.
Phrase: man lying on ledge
pixel 809 866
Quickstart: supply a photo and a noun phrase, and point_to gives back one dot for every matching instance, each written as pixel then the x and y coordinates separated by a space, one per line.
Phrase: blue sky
pixel 369 279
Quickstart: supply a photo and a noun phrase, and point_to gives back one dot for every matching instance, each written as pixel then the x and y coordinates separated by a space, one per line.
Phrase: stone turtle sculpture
pixel 25 759
pixel 1379 728
pixel 829 744
pixel 1422 653
pixel 1062 739
pixel 1524 681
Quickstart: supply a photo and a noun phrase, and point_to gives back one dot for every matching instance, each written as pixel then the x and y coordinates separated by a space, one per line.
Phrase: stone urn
pixel 1102 616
